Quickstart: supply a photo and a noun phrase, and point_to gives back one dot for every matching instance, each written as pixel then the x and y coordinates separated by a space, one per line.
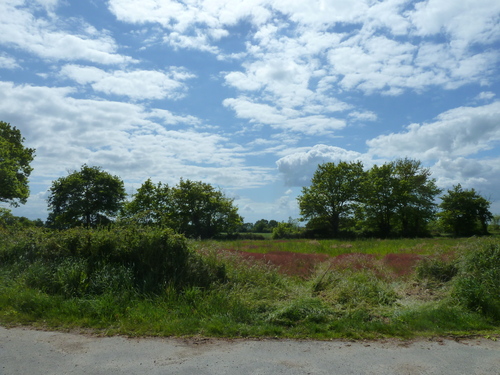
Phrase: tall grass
pixel 154 282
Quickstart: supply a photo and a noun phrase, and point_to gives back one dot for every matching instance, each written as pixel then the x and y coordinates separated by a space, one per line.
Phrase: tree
pixel 464 212
pixel 195 209
pixel 333 195
pixel 379 199
pixel 399 198
pixel 201 211
pixel 88 197
pixel 8 220
pixel 15 167
pixel 151 205
pixel 416 193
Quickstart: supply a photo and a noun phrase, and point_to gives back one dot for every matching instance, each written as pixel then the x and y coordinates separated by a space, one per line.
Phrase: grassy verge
pixel 147 282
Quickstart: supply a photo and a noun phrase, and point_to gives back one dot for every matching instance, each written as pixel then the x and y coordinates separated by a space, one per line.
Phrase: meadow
pixel 140 281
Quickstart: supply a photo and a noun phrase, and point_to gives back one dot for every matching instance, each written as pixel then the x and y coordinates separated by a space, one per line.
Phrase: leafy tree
pixel 399 198
pixel 379 199
pixel 264 226
pixel 8 220
pixel 15 167
pixel 415 194
pixel 151 205
pixel 334 194
pixel 88 197
pixel 246 228
pixel 464 212
pixel 201 211
pixel 192 208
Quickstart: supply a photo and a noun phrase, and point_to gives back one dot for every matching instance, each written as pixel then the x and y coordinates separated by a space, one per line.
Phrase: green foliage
pixel 396 198
pixel 150 205
pixel 264 226
pixel 89 197
pixel 286 230
pixel 95 279
pixel 477 285
pixel 300 311
pixel 436 269
pixel 195 209
pixel 15 167
pixel 77 261
pixel 335 189
pixel 464 212
pixel 10 221
pixel 354 290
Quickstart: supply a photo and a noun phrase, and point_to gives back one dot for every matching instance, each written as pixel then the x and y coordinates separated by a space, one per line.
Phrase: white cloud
pixel 8 62
pixel 298 168
pixel 122 138
pixel 467 21
pixel 286 119
pixel 485 95
pixel 136 84
pixel 48 38
pixel 458 132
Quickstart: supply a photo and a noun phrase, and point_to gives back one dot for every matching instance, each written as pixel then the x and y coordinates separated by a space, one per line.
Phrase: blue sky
pixel 251 95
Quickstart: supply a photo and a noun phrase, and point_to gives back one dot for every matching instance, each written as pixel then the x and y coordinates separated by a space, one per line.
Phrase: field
pixel 152 282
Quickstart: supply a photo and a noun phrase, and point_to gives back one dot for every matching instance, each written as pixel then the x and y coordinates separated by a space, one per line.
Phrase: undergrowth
pixel 154 282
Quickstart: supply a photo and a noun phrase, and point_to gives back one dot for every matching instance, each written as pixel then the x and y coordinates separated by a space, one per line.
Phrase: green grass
pixel 47 280
pixel 377 247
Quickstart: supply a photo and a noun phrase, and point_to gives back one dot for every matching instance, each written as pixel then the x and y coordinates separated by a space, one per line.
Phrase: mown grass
pixel 115 282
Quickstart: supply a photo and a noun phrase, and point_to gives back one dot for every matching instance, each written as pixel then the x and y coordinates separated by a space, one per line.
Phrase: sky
pixel 251 95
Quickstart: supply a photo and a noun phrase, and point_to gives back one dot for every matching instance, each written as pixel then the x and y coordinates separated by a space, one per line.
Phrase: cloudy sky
pixel 251 95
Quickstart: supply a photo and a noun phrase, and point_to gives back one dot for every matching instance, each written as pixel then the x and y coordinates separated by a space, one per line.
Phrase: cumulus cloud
pixel 298 168
pixel 458 132
pixel 136 84
pixel 46 37
pixel 467 21
pixel 124 138
pixel 285 119
pixel 8 62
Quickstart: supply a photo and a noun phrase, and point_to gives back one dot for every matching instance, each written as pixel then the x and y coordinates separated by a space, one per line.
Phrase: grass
pixel 377 247
pixel 290 289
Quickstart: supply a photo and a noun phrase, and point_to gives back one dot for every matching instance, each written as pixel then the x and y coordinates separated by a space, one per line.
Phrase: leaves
pixel 88 197
pixel 15 167
pixel 193 208
pixel 464 212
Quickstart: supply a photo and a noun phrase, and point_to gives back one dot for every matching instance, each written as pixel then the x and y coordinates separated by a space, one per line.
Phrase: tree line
pixel 397 198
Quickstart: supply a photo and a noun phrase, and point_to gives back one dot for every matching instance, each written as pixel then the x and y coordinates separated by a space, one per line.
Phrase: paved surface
pixel 30 352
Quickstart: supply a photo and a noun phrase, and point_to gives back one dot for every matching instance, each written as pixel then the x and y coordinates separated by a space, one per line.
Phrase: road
pixel 25 351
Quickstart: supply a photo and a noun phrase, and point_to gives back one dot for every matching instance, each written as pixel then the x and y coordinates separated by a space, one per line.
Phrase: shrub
pixel 477 285
pixel 77 261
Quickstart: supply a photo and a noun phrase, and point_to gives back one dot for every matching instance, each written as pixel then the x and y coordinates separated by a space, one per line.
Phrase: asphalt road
pixel 30 352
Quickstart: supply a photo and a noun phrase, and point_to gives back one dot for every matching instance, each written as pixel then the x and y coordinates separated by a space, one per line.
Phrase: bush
pixel 287 231
pixel 477 285
pixel 77 261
